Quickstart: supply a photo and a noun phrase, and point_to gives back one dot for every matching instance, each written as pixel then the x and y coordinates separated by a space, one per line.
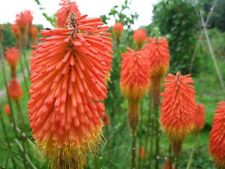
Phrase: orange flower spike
pixel 15 90
pixel 67 8
pixel 199 118
pixel 118 30
pixel 12 56
pixel 24 19
pixel 7 110
pixel 159 56
pixel 139 37
pixel 68 87
pixel 134 80
pixel 217 136
pixel 178 109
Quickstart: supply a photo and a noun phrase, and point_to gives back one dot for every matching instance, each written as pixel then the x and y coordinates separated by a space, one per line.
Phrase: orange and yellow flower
pixel 158 55
pixel 24 20
pixel 178 109
pixel 134 80
pixel 139 37
pixel 118 29
pixel 217 136
pixel 15 90
pixel 68 89
pixel 12 56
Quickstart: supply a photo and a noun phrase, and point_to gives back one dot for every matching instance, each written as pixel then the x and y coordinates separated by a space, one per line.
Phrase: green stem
pixel 150 133
pixel 7 140
pixel 23 68
pixel 26 62
pixel 96 162
pixel 170 157
pixel 192 152
pixel 133 149
pixel 23 135
pixel 157 139
pixel 155 84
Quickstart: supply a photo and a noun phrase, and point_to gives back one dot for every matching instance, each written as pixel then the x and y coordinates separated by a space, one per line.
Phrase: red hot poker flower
pixel 159 56
pixel 199 118
pixel 67 8
pixel 15 90
pixel 139 37
pixel 24 20
pixel 7 110
pixel 12 57
pixel 217 136
pixel 178 109
pixel 118 29
pixel 134 80
pixel 67 89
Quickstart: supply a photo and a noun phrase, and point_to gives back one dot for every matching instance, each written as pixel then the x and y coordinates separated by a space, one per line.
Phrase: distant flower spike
pixel 159 55
pixel 7 110
pixel 178 109
pixel 139 37
pixel 217 136
pixel 118 30
pixel 24 20
pixel 12 56
pixel 15 90
pixel 68 88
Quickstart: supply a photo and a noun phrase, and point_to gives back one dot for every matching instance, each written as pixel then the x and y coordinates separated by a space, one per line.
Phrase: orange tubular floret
pixel 178 108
